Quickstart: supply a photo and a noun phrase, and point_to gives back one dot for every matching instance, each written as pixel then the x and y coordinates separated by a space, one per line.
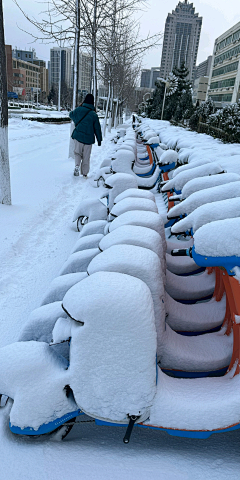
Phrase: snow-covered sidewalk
pixel 36 237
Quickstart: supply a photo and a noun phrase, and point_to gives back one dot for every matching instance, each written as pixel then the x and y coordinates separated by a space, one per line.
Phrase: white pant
pixel 82 154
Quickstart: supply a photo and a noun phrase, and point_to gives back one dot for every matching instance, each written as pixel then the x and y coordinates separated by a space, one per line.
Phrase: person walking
pixel 87 126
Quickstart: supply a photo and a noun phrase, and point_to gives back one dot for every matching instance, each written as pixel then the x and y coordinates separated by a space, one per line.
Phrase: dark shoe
pixel 85 176
pixel 76 171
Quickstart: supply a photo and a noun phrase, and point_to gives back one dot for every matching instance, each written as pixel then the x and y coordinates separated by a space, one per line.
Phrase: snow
pixel 134 235
pixel 208 182
pixel 203 353
pixel 219 239
pixel 179 265
pixel 60 285
pixel 214 194
pixel 40 323
pixel 197 404
pixel 190 287
pixel 36 238
pixel 92 209
pixel 133 192
pixel 208 213
pixel 34 377
pixel 199 317
pixel 144 219
pixel 118 183
pixel 89 241
pixel 141 263
pixel 96 227
pixel 129 204
pixel 169 156
pixel 182 178
pixel 79 261
pixel 188 166
pixel 103 387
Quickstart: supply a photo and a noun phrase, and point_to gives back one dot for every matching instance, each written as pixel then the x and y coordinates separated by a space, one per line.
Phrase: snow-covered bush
pixel 227 119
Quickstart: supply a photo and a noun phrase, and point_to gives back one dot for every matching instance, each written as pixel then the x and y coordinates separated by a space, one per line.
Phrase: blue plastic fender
pixel 226 262
pixel 46 427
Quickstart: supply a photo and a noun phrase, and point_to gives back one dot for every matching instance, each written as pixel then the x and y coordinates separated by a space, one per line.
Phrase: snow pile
pixel 136 193
pixel 208 213
pixel 60 285
pixel 196 404
pixel 182 178
pixel 141 263
pixel 113 374
pixel 134 235
pixel 96 227
pixel 86 242
pixel 117 184
pixel 219 239
pixel 203 183
pixel 188 166
pixel 214 194
pixel 169 156
pixel 79 261
pixel 35 378
pixel 191 287
pixel 145 219
pixel 131 203
pixel 200 317
pixel 92 209
pixel 40 323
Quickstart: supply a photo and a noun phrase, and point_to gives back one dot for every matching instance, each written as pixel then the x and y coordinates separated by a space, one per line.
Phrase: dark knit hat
pixel 89 99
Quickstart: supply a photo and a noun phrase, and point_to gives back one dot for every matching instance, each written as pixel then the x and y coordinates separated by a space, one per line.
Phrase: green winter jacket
pixel 88 127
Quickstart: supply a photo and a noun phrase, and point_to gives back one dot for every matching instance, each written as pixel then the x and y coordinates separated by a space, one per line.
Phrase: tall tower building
pixel 181 39
pixel 55 53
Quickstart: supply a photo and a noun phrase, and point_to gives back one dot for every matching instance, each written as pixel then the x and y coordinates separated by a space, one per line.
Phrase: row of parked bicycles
pixel 142 326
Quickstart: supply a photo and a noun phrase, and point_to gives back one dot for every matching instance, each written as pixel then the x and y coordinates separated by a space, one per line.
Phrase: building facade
pixel 225 71
pixel 25 55
pixel 145 78
pixel 204 68
pixel 149 77
pixel 181 39
pixel 23 78
pixel 55 66
pixel 200 88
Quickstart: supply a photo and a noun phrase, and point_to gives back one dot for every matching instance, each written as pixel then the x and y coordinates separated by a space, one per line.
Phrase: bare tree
pixel 5 188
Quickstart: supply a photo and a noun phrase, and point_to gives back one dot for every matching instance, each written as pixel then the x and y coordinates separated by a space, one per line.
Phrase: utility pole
pixel 5 187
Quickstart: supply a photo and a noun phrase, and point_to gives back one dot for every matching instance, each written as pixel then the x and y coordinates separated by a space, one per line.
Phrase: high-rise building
pixel 204 68
pixel 149 77
pixel 145 78
pixel 225 72
pixel 55 65
pixel 181 39
pixel 85 73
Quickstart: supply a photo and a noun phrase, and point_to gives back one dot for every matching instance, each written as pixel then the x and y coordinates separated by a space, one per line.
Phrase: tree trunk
pixel 107 107
pixel 5 188
pixel 94 52
pixel 75 75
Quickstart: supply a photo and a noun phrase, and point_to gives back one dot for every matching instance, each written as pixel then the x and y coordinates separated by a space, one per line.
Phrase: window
pixel 228 68
pixel 221 98
pixel 233 52
pixel 230 82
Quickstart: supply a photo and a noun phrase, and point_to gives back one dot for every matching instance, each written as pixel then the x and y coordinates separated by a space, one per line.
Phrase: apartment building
pixel 225 71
